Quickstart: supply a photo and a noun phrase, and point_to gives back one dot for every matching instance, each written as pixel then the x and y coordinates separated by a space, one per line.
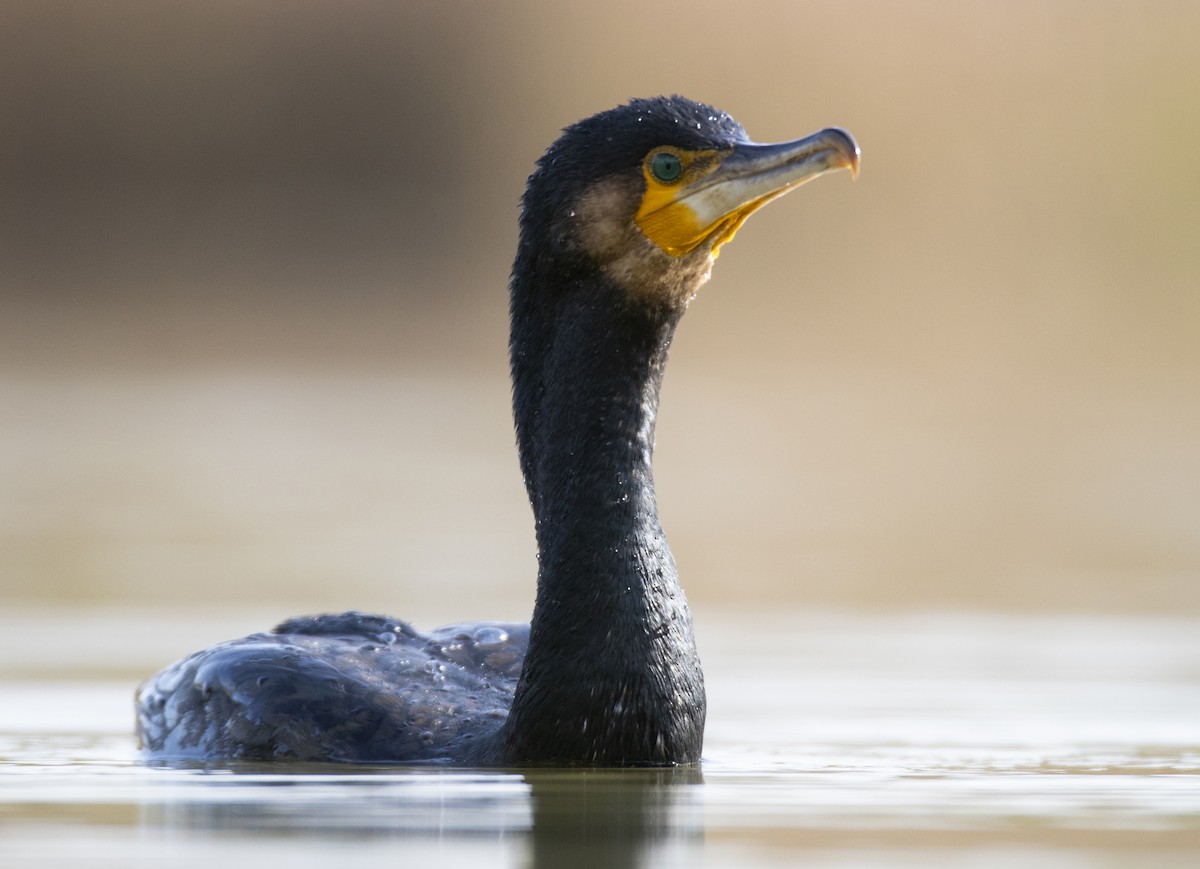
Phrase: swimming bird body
pixel 620 225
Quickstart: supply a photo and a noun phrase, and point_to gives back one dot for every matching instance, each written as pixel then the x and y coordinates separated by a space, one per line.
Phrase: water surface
pixel 832 741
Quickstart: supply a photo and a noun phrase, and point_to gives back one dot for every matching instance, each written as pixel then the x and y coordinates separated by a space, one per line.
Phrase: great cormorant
pixel 620 224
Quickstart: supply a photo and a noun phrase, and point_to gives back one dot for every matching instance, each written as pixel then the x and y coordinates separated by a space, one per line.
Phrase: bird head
pixel 647 193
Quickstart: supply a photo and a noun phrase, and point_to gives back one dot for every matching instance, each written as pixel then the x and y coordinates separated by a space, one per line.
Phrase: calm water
pixel 833 741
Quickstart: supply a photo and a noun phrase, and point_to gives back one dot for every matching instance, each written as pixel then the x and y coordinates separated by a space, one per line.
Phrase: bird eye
pixel 666 167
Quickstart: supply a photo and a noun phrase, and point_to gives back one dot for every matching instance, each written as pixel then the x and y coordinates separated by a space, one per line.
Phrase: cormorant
pixel 620 223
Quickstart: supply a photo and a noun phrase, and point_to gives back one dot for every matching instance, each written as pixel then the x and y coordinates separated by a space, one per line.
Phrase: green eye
pixel 666 167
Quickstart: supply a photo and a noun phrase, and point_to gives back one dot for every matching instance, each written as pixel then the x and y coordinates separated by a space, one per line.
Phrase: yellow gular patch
pixel 723 230
pixel 663 217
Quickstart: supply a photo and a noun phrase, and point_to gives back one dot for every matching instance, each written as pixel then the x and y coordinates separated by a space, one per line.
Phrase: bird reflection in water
pixel 586 819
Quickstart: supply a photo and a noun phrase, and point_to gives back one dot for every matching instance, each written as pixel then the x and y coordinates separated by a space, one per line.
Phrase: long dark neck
pixel 611 675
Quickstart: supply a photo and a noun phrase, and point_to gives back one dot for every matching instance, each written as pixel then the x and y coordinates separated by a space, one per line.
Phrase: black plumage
pixel 607 673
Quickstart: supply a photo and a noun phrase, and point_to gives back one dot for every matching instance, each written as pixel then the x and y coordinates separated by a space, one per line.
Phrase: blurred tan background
pixel 253 259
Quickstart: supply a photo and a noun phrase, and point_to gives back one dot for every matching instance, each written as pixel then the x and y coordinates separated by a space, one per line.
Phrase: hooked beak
pixel 713 207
